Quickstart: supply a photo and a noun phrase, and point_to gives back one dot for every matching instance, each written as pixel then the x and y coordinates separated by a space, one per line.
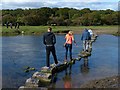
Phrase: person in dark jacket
pixel 7 24
pixel 49 40
pixel 11 25
pixel 85 38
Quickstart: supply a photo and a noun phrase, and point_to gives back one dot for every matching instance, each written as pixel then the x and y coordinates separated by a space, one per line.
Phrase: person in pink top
pixel 68 44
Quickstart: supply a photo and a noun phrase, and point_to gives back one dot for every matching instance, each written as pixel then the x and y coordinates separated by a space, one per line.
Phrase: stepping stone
pixel 46 70
pixel 84 54
pixel 43 77
pixel 71 62
pixel 78 59
pixel 29 88
pixel 32 82
pixel 89 49
pixel 60 68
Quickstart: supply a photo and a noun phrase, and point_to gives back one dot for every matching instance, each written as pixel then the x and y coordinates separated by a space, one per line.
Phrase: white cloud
pixel 44 0
pixel 55 1
pixel 78 4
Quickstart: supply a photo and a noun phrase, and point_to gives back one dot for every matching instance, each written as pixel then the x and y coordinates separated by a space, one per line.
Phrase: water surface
pixel 21 51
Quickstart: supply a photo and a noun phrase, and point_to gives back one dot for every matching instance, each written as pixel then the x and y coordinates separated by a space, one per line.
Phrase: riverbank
pixel 109 82
pixel 37 30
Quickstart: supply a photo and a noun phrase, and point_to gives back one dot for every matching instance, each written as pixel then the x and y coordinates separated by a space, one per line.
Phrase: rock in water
pixel 89 49
pixel 26 67
pixel 31 69
pixel 44 77
pixel 46 70
pixel 32 82
pixel 78 59
pixel 84 54
pixel 59 68
pixel 88 53
pixel 29 88
pixel 72 62
pixel 26 70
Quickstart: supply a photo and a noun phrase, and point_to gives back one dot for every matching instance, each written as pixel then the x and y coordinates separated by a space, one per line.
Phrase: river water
pixel 21 51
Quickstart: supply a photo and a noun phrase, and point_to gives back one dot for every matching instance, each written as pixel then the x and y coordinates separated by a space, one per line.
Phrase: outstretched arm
pixel 74 40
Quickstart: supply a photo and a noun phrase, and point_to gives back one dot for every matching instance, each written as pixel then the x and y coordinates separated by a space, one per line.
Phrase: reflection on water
pixel 21 51
pixel 67 78
pixel 85 66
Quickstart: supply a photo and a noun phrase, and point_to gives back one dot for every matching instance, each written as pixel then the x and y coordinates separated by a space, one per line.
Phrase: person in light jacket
pixel 85 38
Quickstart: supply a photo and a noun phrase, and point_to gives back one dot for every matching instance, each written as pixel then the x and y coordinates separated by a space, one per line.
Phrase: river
pixel 21 51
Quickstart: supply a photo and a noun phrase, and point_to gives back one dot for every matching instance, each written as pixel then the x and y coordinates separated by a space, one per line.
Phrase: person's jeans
pixel 48 50
pixel 68 46
pixel 85 45
pixel 90 44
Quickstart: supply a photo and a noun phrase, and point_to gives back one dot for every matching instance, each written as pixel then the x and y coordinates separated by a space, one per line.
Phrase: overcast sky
pixel 78 4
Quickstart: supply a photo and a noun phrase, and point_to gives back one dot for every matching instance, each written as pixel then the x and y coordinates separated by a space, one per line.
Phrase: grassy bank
pixel 28 30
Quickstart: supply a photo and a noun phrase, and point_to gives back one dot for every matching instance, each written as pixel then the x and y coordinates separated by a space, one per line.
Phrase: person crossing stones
pixel 68 44
pixel 91 35
pixel 85 38
pixel 49 40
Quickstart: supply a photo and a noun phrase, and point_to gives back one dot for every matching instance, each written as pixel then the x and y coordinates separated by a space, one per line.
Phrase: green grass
pixel 60 29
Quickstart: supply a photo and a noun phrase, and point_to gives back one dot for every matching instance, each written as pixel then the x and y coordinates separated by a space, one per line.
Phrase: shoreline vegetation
pixel 38 30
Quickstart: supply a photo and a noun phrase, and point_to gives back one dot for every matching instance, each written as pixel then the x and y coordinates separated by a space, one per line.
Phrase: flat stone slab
pixel 55 69
pixel 59 68
pixel 89 49
pixel 46 70
pixel 34 88
pixel 44 77
pixel 32 82
pixel 78 59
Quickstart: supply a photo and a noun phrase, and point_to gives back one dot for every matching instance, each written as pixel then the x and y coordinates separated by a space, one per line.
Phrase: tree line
pixel 60 16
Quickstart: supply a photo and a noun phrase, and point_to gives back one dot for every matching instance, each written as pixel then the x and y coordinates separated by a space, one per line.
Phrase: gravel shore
pixel 109 82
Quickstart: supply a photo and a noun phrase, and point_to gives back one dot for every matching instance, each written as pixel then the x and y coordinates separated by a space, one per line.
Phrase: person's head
pixel 70 32
pixel 90 28
pixel 49 29
pixel 85 30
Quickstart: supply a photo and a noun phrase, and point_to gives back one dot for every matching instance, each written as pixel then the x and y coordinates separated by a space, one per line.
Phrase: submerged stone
pixel 31 69
pixel 26 71
pixel 26 67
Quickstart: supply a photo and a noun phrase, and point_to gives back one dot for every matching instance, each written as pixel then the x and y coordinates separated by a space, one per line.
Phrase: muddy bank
pixel 109 82
pixel 117 33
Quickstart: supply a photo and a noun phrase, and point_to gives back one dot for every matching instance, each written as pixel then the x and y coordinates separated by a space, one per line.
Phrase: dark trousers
pixel 68 47
pixel 48 50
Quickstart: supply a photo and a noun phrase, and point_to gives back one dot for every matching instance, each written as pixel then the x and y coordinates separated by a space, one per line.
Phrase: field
pixel 37 30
